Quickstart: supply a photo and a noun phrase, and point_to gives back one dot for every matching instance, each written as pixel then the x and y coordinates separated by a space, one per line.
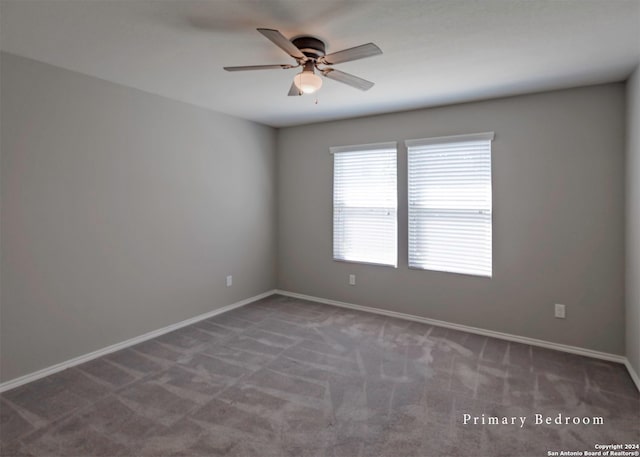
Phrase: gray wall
pixel 633 221
pixel 558 177
pixel 122 212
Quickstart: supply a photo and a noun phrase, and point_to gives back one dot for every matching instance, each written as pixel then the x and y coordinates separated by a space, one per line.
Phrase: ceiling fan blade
pixel 281 41
pixel 347 79
pixel 258 67
pixel 346 55
pixel 294 90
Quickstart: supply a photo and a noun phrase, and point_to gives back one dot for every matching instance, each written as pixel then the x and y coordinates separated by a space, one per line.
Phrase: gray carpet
pixel 284 377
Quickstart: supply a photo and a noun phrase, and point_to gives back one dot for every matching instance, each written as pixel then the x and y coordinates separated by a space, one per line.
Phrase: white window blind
pixel 450 210
pixel 365 204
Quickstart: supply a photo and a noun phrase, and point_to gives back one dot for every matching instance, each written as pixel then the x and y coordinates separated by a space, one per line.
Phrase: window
pixel 450 204
pixel 365 204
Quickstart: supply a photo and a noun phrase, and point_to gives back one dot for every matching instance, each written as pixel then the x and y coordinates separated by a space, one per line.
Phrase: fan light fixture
pixel 307 81
pixel 309 53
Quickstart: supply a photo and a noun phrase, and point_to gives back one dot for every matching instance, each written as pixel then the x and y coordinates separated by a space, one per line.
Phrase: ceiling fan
pixel 309 53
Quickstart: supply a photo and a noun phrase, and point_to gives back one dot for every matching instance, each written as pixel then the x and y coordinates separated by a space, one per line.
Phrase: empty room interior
pixel 320 228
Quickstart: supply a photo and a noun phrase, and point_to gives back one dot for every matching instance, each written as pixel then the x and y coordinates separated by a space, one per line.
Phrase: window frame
pixel 443 140
pixel 360 148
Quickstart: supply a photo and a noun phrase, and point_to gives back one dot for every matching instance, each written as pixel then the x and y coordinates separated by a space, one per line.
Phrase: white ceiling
pixel 435 51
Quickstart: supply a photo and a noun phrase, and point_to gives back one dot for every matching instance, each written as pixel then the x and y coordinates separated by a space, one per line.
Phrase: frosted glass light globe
pixel 307 82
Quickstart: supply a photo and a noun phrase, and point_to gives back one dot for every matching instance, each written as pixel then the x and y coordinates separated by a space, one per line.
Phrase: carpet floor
pixel 286 377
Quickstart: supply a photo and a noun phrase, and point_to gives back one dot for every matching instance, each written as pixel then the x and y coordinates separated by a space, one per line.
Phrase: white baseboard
pixel 479 331
pixel 466 328
pixel 13 383
pixel 632 373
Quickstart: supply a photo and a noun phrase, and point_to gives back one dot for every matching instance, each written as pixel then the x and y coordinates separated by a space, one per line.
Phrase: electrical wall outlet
pixel 560 311
pixel 352 280
pixel 229 281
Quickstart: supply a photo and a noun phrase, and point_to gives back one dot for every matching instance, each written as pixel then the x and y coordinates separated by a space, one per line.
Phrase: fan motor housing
pixel 310 46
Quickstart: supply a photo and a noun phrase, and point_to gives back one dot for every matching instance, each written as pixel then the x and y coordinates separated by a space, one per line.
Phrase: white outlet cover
pixel 229 281
pixel 560 311
pixel 352 280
